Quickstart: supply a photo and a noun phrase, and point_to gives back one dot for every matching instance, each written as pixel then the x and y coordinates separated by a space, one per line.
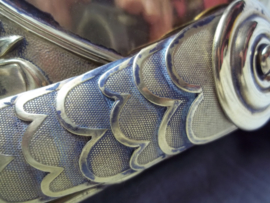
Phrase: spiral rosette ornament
pixel 241 63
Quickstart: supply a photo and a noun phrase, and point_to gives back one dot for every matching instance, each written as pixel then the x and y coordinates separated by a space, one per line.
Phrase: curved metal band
pixel 67 41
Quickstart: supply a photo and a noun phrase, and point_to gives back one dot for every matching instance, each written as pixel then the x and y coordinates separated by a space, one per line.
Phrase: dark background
pixel 233 169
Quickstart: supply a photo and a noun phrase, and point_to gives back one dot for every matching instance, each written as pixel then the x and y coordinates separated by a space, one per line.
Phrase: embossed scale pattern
pixel 137 111
pixel 176 128
pixel 100 127
pixel 64 147
pixel 93 108
pixel 17 177
pixel 157 80
pixel 193 51
pixel 108 157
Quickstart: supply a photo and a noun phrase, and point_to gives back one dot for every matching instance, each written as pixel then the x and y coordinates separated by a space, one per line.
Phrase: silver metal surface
pixel 26 76
pixel 67 41
pixel 241 84
pixel 29 19
pixel 6 43
pixel 18 47
pixel 265 60
pixel 121 100
pixel 109 124
pixel 190 49
pixel 17 75
pixel 29 61
pixel 4 161
pixel 266 3
pixel 54 172
pixel 125 25
pixel 172 105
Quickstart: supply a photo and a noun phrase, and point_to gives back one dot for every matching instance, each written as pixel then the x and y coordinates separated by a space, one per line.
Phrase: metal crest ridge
pixel 67 41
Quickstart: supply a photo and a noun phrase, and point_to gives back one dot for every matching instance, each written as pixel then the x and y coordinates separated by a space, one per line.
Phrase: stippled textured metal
pixel 56 62
pixel 191 49
pixel 109 124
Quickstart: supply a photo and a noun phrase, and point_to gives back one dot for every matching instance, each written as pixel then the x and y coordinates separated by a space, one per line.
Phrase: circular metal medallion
pixel 240 61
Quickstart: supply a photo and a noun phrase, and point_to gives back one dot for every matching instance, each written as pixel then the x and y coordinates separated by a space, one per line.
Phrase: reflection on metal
pixel 67 41
pixel 264 62
pixel 216 9
pixel 6 43
pixel 266 3
pixel 17 75
pixel 125 25
pixel 242 79
pixel 109 27
pixel 210 11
